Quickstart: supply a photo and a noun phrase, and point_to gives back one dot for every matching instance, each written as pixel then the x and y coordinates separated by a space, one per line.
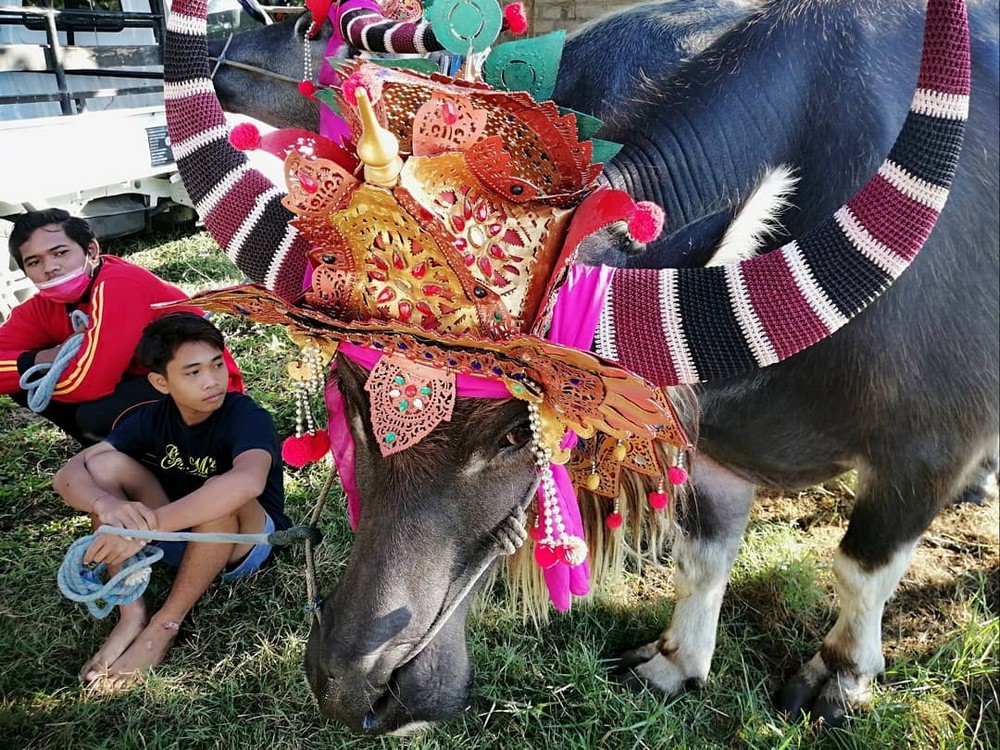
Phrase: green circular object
pixel 518 75
pixel 464 26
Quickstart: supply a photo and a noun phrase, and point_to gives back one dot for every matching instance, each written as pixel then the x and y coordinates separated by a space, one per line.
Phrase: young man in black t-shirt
pixel 199 459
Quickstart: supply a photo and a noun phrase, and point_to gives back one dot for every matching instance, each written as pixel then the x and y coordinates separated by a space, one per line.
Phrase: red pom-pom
pixel 295 450
pixel 319 9
pixel 307 89
pixel 350 86
pixel 613 521
pixel 658 500
pixel 535 532
pixel 676 475
pixel 545 556
pixel 245 137
pixel 515 18
pixel 646 222
pixel 319 446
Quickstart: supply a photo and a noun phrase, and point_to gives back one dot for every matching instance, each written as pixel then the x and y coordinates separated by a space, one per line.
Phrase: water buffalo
pixel 907 393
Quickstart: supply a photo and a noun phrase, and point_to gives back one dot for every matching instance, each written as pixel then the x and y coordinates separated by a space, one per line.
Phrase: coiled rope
pixel 79 582
pixel 41 389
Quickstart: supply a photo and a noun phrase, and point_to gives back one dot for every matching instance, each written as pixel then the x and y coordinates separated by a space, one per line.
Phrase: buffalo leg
pixel 711 523
pixel 840 674
pixel 894 507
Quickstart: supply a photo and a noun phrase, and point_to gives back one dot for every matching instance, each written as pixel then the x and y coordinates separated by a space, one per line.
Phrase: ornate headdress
pixel 442 235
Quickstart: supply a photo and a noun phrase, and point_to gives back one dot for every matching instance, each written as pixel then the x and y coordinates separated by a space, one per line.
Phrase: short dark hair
pixel 164 336
pixel 76 229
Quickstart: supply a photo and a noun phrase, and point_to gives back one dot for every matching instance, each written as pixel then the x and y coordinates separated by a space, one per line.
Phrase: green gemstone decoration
pixel 400 380
pixel 464 26
pixel 390 437
pixel 527 65
pixel 426 391
pixel 403 405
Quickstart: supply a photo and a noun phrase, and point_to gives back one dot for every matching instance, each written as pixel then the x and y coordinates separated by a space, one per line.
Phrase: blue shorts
pixel 173 552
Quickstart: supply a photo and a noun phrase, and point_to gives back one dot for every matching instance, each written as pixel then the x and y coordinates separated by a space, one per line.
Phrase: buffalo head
pixel 389 649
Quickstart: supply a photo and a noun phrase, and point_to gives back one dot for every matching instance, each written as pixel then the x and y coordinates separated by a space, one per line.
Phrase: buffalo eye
pixel 517 437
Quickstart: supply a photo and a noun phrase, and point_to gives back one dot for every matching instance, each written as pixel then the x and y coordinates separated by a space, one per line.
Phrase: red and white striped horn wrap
pixel 724 321
pixel 364 25
pixel 241 208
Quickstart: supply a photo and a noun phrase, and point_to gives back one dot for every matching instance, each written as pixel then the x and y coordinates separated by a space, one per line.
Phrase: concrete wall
pixel 549 15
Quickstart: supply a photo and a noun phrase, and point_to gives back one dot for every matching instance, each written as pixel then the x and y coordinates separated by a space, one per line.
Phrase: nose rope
pixel 221 58
pixel 509 537
pixel 254 69
pixel 81 583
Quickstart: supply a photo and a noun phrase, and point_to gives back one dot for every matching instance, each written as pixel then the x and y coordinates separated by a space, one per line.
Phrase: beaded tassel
pixel 553 545
pixel 306 86
pixel 308 443
pixel 614 518
pixel 677 474
pixel 658 500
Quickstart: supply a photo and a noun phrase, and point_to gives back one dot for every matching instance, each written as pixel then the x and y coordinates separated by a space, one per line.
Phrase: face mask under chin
pixel 68 288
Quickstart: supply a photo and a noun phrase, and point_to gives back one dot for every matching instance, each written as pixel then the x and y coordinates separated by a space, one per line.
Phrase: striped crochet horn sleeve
pixel 364 25
pixel 241 207
pixel 677 326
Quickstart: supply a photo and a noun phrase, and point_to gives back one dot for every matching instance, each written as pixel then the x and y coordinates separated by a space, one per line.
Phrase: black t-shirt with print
pixel 184 457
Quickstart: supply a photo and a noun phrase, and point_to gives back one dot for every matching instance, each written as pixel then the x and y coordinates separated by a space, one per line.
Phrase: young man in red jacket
pixel 102 381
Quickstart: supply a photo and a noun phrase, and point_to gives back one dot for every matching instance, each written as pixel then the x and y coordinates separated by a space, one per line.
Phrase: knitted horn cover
pixel 241 208
pixel 366 26
pixel 726 320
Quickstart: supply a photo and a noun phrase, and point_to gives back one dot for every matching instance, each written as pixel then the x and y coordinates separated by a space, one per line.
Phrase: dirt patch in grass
pixel 962 543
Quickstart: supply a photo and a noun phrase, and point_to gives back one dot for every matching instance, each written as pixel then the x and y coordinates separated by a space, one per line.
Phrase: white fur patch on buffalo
pixel 684 651
pixel 759 218
pixel 857 634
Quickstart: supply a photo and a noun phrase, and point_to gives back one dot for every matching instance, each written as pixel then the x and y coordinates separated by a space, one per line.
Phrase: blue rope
pixel 81 583
pixel 40 390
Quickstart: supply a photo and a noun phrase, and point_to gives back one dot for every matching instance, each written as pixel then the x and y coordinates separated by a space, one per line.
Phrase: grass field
pixel 235 679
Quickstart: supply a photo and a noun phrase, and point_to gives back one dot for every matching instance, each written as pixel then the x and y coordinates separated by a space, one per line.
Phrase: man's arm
pixel 77 487
pixel 21 336
pixel 220 495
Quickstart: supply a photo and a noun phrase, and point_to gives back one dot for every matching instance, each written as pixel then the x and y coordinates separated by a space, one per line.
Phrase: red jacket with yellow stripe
pixel 119 306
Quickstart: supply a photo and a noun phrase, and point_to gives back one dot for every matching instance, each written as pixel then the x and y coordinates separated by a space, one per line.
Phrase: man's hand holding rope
pixel 112 511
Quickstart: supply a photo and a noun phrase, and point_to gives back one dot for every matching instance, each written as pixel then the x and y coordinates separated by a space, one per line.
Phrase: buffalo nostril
pixel 368 723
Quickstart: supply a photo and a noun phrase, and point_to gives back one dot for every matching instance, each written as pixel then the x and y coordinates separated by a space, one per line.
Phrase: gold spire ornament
pixel 377 147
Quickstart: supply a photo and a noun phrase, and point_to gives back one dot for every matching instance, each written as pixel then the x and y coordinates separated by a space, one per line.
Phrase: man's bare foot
pixel 132 620
pixel 147 650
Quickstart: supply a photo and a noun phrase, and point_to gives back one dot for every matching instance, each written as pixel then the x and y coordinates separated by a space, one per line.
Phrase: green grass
pixel 235 679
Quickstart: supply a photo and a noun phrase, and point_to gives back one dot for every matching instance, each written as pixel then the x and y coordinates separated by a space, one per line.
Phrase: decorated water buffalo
pixel 901 385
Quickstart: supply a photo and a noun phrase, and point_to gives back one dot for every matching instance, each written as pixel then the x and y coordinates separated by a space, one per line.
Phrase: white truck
pixel 82 123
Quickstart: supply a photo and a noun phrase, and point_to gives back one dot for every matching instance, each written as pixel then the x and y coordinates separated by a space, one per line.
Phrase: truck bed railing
pixel 63 62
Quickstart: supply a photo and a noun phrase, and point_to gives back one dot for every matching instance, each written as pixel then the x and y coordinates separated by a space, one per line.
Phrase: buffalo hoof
pixel 647 667
pixel 822 696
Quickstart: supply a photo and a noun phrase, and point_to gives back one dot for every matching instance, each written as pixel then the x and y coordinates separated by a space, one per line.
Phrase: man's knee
pixel 225 524
pixel 112 468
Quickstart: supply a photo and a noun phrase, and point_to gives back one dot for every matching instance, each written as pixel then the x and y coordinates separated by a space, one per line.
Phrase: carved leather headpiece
pixel 439 237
